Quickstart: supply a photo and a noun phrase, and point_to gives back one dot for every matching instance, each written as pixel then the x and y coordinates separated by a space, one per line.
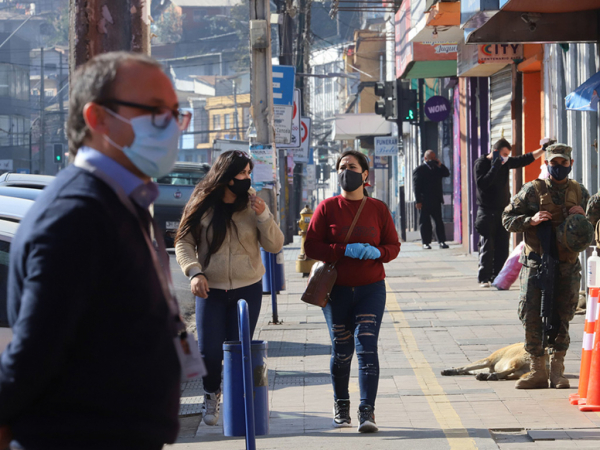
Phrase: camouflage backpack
pixel 575 233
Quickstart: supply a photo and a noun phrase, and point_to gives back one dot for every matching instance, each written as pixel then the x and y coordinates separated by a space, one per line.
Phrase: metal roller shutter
pixel 500 93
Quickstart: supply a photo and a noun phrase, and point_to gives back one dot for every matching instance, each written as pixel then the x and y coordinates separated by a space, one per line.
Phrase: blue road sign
pixel 283 85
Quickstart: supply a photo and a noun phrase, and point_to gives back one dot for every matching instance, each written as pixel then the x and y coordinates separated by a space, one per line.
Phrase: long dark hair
pixel 362 160
pixel 208 195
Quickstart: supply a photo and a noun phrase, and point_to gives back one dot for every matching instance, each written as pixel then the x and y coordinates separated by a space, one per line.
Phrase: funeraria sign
pixel 437 108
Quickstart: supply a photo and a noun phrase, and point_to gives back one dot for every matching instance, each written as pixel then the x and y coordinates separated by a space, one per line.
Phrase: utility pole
pixel 100 26
pixel 61 105
pixel 235 113
pixel 42 141
pixel 261 97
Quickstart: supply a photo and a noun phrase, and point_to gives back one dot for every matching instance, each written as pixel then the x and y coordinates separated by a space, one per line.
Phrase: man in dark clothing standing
pixel 93 363
pixel 427 182
pixel 491 176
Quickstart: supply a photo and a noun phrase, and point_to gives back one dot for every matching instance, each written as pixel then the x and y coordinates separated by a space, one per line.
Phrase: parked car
pixel 25 180
pixel 175 189
pixel 20 192
pixel 12 210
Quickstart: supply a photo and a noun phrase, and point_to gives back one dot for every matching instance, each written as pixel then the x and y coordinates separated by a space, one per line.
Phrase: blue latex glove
pixel 356 251
pixel 372 252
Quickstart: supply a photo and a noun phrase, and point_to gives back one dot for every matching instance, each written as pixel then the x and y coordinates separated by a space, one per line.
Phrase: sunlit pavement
pixel 437 317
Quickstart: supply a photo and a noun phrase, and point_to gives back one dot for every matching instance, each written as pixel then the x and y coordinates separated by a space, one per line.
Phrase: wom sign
pixel 437 108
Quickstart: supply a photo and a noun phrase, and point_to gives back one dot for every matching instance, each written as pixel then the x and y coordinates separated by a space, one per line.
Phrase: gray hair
pixel 93 82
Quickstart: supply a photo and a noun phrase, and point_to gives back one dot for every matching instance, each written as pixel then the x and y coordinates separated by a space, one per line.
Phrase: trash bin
pixel 279 272
pixel 233 389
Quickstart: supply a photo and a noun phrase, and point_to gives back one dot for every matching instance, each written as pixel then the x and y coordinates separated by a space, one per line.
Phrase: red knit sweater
pixel 327 231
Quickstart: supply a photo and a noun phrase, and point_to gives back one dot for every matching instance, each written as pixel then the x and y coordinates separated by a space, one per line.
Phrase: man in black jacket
pixel 93 363
pixel 491 176
pixel 427 183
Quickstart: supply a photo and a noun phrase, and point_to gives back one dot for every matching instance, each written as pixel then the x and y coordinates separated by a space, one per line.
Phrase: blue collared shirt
pixel 144 194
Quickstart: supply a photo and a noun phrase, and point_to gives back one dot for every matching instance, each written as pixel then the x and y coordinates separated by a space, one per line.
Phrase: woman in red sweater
pixel 357 301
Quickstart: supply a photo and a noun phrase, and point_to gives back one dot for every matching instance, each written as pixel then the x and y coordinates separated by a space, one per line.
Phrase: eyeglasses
pixel 161 115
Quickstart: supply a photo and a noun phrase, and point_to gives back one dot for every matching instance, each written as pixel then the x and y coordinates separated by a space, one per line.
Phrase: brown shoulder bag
pixel 323 275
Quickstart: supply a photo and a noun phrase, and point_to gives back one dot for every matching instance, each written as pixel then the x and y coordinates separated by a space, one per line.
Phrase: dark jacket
pixel 427 183
pixel 92 363
pixel 492 180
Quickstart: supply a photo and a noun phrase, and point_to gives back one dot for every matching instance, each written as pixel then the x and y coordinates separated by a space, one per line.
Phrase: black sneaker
pixel 443 245
pixel 341 414
pixel 427 246
pixel 366 417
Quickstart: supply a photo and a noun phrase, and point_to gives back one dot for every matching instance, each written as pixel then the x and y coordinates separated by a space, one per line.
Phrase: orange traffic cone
pixel 591 316
pixel 592 400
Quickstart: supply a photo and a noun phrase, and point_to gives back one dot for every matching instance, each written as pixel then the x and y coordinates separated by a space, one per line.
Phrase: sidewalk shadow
pixel 278 349
pixel 385 433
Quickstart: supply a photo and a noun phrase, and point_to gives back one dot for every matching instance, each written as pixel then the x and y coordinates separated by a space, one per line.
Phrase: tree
pixel 169 26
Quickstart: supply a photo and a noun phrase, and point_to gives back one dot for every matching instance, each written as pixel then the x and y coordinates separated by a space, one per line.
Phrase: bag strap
pixel 360 208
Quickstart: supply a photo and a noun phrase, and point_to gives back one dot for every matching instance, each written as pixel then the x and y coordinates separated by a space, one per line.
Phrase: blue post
pixel 273 257
pixel 244 330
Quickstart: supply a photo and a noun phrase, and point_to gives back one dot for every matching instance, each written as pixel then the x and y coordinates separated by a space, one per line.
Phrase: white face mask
pixel 153 150
pixel 504 158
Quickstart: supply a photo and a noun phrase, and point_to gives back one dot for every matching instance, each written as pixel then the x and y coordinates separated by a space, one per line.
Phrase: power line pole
pixel 100 26
pixel 235 114
pixel 42 142
pixel 61 105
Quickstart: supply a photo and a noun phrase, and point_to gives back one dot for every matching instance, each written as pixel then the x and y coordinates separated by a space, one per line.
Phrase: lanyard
pixel 162 271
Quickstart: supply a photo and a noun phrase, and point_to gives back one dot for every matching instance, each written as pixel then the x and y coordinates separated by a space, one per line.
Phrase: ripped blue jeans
pixel 354 316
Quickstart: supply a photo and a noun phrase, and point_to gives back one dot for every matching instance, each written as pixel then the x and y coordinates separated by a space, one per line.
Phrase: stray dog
pixel 508 363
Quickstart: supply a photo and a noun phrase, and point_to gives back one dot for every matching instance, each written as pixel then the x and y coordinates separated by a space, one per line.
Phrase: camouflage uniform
pixel 593 209
pixel 516 218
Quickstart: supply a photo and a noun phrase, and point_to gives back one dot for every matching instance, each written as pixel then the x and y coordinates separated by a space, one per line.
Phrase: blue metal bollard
pixel 245 384
pixel 267 261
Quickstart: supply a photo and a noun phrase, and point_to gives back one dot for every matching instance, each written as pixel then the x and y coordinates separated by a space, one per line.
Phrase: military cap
pixel 558 151
pixel 575 233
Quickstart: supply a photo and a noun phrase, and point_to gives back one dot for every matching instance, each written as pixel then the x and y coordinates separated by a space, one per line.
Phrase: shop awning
pixel 352 126
pixel 522 21
pixel 585 97
pixel 430 69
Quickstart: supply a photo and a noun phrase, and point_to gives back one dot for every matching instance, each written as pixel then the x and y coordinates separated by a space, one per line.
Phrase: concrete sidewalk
pixel 436 317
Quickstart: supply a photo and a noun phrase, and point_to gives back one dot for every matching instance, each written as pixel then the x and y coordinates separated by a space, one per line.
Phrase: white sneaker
pixel 210 409
pixel 485 284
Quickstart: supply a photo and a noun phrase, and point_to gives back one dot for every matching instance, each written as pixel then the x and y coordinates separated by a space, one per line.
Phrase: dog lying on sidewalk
pixel 508 363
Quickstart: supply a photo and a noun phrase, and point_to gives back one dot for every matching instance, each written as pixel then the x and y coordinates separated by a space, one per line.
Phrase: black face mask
pixel 240 187
pixel 350 180
pixel 559 173
pixel 431 163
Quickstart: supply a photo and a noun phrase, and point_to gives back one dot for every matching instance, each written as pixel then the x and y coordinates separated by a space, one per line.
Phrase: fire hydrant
pixel 304 264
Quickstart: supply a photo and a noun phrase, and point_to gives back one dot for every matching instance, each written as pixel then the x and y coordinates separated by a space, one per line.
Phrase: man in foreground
pixel 93 362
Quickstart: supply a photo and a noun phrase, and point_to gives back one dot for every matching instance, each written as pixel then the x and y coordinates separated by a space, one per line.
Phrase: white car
pixel 12 210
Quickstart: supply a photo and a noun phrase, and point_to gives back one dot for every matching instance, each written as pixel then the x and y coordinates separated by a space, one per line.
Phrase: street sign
pixel 295 123
pixel 386 146
pixel 301 153
pixel 283 85
pixel 223 145
pixel 283 120
pixel 6 165
pixel 437 108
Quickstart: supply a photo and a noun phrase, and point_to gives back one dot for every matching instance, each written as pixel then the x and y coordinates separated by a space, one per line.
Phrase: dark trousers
pixel 353 317
pixel 430 211
pixel 217 322
pixel 493 244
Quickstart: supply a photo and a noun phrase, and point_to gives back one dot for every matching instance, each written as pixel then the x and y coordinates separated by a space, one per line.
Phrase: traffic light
pixel 58 153
pixel 385 106
pixel 407 108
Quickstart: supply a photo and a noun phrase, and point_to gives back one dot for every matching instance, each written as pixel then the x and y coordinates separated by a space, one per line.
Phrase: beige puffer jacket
pixel 238 262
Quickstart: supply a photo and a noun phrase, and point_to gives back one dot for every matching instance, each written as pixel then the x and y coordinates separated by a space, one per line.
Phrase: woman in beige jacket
pixel 224 224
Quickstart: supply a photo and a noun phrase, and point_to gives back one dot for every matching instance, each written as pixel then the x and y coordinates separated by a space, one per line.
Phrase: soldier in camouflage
pixel 539 201
pixel 593 211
